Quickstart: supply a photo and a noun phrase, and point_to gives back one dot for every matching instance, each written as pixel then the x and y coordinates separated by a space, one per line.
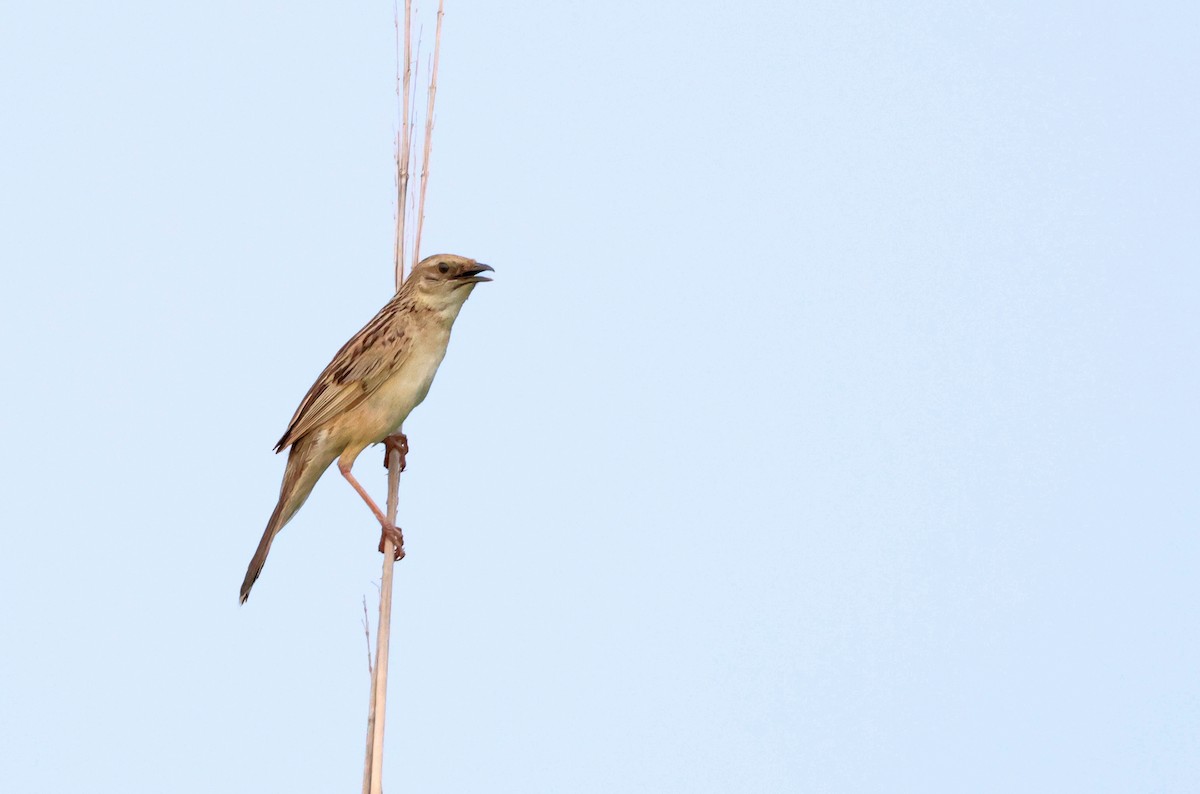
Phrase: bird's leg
pixel 398 442
pixel 390 530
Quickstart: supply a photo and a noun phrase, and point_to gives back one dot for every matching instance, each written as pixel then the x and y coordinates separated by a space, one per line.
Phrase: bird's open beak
pixel 471 275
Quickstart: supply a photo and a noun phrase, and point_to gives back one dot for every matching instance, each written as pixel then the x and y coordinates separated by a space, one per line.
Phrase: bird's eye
pixel 443 268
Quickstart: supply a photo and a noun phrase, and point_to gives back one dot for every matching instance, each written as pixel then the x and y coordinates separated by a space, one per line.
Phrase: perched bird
pixel 368 390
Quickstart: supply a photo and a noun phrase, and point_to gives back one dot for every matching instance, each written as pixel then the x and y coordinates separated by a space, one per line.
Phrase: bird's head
pixel 444 280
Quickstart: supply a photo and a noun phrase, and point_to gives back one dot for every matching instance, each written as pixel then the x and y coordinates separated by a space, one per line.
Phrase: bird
pixel 368 390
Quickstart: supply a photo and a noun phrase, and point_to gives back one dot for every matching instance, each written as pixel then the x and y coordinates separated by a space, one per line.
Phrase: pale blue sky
pixel 830 425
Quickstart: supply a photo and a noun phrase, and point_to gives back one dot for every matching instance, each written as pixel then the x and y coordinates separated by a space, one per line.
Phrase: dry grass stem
pixel 367 632
pixel 437 51
pixel 383 635
pixel 373 766
pixel 403 145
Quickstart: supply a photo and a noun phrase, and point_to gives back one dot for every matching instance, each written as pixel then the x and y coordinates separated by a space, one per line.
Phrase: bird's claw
pixel 393 533
pixel 398 442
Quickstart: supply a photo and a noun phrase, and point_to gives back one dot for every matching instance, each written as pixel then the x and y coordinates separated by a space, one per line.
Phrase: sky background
pixel 831 424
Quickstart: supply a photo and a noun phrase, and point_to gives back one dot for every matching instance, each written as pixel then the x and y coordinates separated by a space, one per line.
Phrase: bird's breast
pixel 405 390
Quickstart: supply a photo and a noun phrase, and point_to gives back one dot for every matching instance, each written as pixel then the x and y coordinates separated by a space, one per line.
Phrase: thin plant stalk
pixel 383 635
pixel 403 142
pixel 437 51
pixel 373 766
pixel 376 712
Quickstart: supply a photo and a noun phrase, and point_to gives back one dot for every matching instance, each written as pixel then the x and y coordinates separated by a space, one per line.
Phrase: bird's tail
pixel 307 461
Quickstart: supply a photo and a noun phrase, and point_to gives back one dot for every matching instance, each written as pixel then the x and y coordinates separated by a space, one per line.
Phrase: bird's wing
pixel 363 364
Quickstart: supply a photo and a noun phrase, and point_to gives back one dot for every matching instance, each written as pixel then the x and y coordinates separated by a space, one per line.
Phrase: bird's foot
pixel 398 442
pixel 392 532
